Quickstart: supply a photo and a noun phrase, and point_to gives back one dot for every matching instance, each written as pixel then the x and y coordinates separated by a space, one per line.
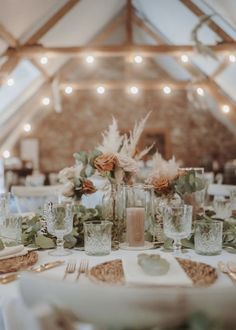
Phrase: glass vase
pixel 113 210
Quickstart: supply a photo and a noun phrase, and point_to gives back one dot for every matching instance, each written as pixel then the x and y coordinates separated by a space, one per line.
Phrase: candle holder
pixel 136 214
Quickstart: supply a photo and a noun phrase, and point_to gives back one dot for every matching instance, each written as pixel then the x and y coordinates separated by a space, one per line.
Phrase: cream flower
pixel 68 189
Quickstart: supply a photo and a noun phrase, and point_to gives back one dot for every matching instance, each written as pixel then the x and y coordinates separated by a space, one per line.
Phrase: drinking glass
pixel 97 237
pixel 177 224
pixel 59 224
pixel 222 208
pixel 233 201
pixel 208 237
pixel 4 206
pixel 10 229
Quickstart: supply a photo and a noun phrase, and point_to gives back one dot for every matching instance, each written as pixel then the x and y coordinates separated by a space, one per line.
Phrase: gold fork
pixel 83 268
pixel 70 268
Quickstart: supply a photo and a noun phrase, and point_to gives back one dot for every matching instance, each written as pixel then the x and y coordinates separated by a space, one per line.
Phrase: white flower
pixel 68 190
pixel 127 163
pixel 164 169
pixel 70 173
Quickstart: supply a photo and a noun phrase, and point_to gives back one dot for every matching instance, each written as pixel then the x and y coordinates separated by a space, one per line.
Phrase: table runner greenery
pixel 35 235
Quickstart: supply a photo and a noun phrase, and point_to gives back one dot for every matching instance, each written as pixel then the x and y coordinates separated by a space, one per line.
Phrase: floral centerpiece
pixel 171 185
pixel 75 182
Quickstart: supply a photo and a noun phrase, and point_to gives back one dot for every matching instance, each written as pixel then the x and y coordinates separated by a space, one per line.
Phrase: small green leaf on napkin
pixel 44 242
pixel 2 247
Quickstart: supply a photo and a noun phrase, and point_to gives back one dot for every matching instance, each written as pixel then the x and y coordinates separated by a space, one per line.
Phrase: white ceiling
pixel 89 17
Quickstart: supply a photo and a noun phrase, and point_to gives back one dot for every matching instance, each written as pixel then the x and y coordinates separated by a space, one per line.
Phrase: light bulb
pixel 68 90
pixel 100 90
pixel 10 82
pixel 89 59
pixel 6 154
pixel 232 58
pixel 46 101
pixel 44 60
pixel 134 90
pixel 184 58
pixel 200 91
pixel 225 108
pixel 167 90
pixel 138 59
pixel 27 128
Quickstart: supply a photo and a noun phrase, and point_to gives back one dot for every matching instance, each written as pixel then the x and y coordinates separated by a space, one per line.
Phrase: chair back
pixel 222 190
pixel 32 199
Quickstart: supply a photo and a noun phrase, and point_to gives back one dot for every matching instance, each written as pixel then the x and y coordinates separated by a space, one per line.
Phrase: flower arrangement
pixel 75 182
pixel 116 157
pixel 167 178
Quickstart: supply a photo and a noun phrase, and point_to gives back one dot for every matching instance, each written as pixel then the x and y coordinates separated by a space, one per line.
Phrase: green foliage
pixel 87 159
pixel 1 245
pixel 34 236
pixel 188 183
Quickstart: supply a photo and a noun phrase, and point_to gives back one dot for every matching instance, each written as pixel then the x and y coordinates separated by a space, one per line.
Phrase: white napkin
pixel 13 251
pixel 175 276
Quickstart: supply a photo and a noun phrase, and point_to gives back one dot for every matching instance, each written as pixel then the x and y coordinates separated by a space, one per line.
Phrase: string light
pixel 200 91
pixel 6 154
pixel 225 108
pixel 89 59
pixel 167 90
pixel 27 128
pixel 44 60
pixel 46 101
pixel 138 59
pixel 68 90
pixel 232 58
pixel 134 90
pixel 10 82
pixel 100 90
pixel 184 58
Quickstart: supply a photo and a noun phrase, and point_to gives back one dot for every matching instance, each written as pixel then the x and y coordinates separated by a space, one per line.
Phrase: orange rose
pixel 161 185
pixel 88 187
pixel 106 162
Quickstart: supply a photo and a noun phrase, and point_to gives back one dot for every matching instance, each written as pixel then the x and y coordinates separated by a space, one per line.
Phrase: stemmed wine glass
pixel 59 223
pixel 177 223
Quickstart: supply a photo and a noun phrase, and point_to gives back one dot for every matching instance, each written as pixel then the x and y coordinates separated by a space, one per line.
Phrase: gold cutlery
pixel 70 268
pixel 225 269
pixel 36 269
pixel 83 268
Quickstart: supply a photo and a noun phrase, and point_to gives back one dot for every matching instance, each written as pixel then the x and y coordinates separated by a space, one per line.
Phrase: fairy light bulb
pixel 101 90
pixel 225 108
pixel 138 59
pixel 10 82
pixel 200 91
pixel 6 154
pixel 134 90
pixel 232 58
pixel 89 59
pixel 68 90
pixel 27 128
pixel 44 60
pixel 46 101
pixel 184 58
pixel 167 90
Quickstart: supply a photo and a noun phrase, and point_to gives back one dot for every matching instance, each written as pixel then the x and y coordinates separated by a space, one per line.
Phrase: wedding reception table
pixel 12 307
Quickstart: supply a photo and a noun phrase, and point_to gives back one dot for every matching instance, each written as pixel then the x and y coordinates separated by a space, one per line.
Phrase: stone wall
pixel 194 135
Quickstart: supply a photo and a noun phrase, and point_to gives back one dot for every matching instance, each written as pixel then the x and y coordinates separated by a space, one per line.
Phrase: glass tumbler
pixel 222 208
pixel 208 237
pixel 10 229
pixel 97 237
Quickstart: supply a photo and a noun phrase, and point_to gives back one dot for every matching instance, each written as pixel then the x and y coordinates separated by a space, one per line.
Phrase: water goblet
pixel 59 224
pixel 177 223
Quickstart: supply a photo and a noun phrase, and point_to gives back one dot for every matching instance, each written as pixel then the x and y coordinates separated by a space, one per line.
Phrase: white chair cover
pixel 32 199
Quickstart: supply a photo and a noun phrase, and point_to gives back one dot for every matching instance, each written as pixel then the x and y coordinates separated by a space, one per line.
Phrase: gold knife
pixel 38 269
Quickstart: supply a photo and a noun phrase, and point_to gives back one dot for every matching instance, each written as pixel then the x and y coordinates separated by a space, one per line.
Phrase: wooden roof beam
pixel 8 37
pixel 115 50
pixel 129 23
pixel 212 25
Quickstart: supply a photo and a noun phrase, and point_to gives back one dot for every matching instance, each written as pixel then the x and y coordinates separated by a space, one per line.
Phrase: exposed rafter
pixel 214 27
pixel 11 63
pixel 8 37
pixel 117 50
pixel 129 23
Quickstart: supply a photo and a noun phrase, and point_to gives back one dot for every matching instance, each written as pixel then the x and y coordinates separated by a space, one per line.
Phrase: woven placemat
pixel 18 263
pixel 111 272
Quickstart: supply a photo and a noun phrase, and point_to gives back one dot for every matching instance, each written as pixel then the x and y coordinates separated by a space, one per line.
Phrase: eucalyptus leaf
pixel 70 241
pixel 2 247
pixel 44 242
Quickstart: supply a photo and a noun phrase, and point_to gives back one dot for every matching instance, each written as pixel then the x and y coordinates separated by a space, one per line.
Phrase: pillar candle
pixel 135 226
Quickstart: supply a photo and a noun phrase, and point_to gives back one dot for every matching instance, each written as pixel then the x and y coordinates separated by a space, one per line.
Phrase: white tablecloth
pixel 12 307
